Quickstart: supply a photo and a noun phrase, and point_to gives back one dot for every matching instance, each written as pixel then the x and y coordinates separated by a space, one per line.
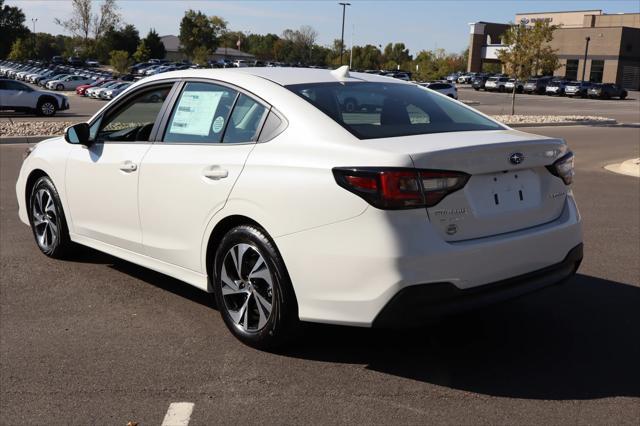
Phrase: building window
pixel 572 69
pixel 597 68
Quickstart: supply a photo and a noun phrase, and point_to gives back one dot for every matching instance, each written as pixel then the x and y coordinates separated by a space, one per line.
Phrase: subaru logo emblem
pixel 516 158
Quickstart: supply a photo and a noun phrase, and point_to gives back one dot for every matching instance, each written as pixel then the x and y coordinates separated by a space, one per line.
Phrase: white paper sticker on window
pixel 194 113
pixel 218 124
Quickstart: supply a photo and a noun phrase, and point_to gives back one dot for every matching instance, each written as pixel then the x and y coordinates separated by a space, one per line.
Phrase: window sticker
pixel 194 113
pixel 218 124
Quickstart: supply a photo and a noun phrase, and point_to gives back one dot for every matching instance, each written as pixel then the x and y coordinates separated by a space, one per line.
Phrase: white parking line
pixel 178 414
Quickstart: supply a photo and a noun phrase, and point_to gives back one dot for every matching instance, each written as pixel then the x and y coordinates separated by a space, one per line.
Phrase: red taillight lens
pixel 391 188
pixel 563 168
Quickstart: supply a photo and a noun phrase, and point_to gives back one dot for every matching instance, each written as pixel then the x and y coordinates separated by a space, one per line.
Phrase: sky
pixel 419 24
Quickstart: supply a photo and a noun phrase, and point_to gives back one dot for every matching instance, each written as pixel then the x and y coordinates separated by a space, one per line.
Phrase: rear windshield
pixel 382 110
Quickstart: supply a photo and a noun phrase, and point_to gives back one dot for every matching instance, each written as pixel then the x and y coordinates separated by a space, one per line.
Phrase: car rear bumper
pixel 347 272
pixel 421 303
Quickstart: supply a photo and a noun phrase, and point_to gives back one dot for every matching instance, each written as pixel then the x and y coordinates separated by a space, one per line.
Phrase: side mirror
pixel 78 134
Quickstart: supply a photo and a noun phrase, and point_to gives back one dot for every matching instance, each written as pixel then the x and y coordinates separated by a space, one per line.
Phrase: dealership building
pixel 610 43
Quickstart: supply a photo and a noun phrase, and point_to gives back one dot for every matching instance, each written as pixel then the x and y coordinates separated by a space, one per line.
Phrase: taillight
pixel 563 168
pixel 393 188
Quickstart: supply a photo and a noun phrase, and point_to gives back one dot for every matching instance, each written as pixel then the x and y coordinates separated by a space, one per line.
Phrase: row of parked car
pixel 540 85
pixel 551 86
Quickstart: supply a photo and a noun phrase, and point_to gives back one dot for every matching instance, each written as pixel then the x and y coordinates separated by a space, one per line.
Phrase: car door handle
pixel 128 166
pixel 215 173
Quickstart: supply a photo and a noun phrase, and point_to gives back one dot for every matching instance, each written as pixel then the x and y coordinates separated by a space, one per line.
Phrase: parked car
pixel 577 88
pixel 479 81
pixel 496 84
pixel 511 83
pixel 17 96
pixel 537 85
pixel 380 218
pixel 607 91
pixel 92 63
pixel 447 89
pixel 453 77
pixel 240 63
pixel 75 61
pixel 116 91
pixel 556 87
pixel 58 60
pixel 466 78
pixel 82 89
pixel 94 92
pixel 69 82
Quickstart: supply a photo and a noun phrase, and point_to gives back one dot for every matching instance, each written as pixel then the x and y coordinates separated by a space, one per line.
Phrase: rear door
pixel 17 94
pixel 188 173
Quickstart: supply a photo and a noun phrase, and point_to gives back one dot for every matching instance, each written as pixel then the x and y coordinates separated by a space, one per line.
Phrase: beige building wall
pixel 573 19
pixel 613 20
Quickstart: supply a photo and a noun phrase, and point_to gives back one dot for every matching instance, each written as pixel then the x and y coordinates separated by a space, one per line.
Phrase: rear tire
pixel 253 290
pixel 59 87
pixel 47 220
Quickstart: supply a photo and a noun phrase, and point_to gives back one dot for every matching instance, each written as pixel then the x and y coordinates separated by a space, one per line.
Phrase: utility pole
pixel 351 51
pixel 586 52
pixel 344 8
pixel 34 20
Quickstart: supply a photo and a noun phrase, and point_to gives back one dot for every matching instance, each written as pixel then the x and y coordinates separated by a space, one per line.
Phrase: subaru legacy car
pixel 258 186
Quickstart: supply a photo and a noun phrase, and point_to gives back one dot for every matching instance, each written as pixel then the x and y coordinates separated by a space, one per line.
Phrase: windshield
pixel 383 110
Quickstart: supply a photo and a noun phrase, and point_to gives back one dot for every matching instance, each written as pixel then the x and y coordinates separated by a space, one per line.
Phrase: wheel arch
pixel 220 230
pixel 31 181
pixel 43 98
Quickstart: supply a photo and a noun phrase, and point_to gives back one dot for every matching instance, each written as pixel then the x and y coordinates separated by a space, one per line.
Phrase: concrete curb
pixel 629 168
pixel 7 140
pixel 566 123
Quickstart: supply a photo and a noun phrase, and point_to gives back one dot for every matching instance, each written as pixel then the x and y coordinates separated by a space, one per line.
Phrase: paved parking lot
pixel 626 111
pixel 96 340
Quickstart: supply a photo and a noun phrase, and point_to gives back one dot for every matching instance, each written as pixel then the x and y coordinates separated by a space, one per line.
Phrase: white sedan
pixel 69 82
pixel 256 185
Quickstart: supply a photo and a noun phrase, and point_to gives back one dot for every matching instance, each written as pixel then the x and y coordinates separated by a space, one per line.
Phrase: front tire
pixel 59 87
pixel 252 289
pixel 47 108
pixel 47 219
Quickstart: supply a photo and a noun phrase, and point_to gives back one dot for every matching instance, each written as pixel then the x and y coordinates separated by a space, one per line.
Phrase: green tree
pixel 201 55
pixel 11 27
pixel 154 44
pixel 119 60
pixel 198 30
pixel 366 57
pixel 126 38
pixel 143 53
pixel 46 46
pixel 20 50
pixel 527 52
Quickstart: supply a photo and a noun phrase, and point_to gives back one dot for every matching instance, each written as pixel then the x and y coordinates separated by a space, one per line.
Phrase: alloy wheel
pixel 45 219
pixel 47 108
pixel 247 287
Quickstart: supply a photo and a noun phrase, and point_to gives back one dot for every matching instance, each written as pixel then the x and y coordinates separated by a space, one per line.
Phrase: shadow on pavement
pixel 580 340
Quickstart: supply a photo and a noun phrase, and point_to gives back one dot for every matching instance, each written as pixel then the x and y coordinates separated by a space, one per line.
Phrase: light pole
pixel 34 20
pixel 584 63
pixel 344 8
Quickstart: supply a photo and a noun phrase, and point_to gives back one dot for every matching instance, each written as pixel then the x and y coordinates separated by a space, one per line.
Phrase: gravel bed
pixel 33 128
pixel 43 128
pixel 551 119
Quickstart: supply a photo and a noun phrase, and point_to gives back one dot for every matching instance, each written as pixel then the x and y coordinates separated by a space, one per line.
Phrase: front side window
pixel 134 120
pixel 380 110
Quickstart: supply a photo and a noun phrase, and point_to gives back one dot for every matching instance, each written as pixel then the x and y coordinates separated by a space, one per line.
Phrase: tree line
pixel 96 31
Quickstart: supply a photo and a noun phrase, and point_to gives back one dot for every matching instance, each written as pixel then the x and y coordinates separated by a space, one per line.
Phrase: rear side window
pixel 200 114
pixel 246 120
pixel 380 110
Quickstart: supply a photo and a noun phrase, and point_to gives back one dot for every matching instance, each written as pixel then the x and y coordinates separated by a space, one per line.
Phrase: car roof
pixel 284 76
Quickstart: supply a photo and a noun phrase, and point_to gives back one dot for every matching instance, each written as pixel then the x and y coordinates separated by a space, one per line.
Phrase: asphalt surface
pixel 626 111
pixel 495 103
pixel 97 340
